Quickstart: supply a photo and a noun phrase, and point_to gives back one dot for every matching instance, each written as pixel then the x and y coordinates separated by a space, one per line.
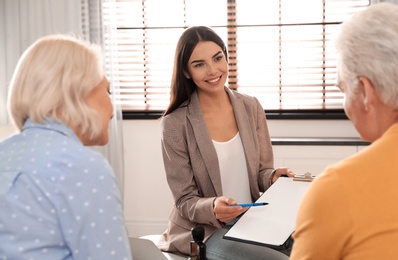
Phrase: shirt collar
pixel 52 124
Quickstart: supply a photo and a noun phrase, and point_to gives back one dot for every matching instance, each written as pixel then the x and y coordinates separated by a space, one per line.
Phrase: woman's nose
pixel 210 69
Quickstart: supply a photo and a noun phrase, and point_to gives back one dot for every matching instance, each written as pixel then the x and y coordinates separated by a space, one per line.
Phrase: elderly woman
pixel 351 210
pixel 59 199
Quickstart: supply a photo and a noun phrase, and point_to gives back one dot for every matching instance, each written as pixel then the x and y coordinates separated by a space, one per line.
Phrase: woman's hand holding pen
pixel 223 210
pixel 282 171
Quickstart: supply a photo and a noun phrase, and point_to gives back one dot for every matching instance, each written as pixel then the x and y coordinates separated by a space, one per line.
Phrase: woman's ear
pixel 187 75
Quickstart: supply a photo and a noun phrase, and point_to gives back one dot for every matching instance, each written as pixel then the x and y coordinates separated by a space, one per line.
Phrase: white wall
pixel 147 197
pixel 6 130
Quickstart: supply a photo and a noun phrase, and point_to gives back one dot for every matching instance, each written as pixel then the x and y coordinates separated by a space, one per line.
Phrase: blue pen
pixel 251 204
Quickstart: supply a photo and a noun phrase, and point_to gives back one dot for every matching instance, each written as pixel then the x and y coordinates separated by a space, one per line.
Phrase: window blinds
pixel 279 51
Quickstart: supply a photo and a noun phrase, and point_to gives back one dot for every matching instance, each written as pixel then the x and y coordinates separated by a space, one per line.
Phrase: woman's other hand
pixel 285 171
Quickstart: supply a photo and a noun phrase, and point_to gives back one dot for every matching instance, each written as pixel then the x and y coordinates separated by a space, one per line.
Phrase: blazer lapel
pixel 205 144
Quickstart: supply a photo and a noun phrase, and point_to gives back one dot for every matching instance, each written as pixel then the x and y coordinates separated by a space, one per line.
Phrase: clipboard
pixel 304 177
pixel 271 225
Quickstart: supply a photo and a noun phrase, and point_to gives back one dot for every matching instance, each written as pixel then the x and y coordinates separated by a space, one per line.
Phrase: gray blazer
pixel 192 168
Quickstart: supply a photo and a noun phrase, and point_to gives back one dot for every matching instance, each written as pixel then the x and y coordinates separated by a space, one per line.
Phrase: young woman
pixel 216 150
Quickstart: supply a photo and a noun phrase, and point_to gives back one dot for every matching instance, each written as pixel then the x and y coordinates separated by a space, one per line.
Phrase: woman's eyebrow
pixel 215 55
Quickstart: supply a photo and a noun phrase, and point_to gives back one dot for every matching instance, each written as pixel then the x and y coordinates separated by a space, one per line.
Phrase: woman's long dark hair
pixel 181 87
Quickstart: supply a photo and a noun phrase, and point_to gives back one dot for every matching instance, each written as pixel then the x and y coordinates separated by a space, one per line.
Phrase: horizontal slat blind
pixel 279 51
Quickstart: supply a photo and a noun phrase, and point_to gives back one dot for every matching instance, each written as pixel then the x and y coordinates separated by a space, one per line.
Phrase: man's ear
pixel 369 95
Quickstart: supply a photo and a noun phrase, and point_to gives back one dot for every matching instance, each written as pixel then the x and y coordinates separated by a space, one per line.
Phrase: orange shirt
pixel 350 211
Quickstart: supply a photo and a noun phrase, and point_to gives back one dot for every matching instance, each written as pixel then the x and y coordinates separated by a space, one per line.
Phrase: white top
pixel 233 169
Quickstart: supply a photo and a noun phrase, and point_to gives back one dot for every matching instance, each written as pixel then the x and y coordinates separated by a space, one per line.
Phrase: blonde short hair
pixel 52 79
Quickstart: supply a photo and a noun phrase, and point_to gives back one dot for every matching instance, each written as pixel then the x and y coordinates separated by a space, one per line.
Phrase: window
pixel 279 51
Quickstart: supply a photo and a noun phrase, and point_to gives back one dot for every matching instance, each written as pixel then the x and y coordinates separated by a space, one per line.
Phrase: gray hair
pixel 368 46
pixel 53 78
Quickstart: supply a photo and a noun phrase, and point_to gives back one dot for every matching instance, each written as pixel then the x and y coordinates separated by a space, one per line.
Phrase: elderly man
pixel 351 210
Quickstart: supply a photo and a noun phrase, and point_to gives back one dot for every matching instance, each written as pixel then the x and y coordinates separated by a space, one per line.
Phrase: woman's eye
pixel 218 58
pixel 198 65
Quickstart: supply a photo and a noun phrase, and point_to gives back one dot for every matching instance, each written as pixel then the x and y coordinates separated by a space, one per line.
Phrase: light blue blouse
pixel 58 198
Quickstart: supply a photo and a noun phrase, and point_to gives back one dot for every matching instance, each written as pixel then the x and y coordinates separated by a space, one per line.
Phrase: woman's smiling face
pixel 208 67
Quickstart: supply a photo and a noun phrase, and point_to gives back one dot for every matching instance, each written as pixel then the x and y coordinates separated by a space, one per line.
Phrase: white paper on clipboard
pixel 274 223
